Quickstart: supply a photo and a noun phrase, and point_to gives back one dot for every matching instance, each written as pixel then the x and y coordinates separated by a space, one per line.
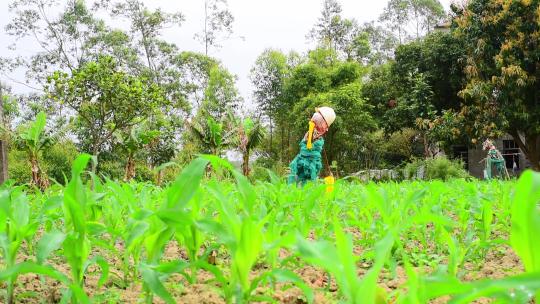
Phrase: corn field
pixel 220 239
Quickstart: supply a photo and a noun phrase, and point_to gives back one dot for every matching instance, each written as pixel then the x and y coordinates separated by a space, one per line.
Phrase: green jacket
pixel 307 165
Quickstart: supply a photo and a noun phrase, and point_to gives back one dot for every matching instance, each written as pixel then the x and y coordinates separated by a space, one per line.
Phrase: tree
pixel 423 15
pixel 501 94
pixel 61 40
pixel 220 94
pixel 440 58
pixel 328 28
pixel 155 58
pixel 250 135
pixel 382 43
pixel 339 34
pixel 268 77
pixel 396 16
pixel 105 101
pixel 426 14
pixel 218 20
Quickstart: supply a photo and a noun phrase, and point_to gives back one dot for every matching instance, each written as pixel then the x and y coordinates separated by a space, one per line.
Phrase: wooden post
pixel 3 148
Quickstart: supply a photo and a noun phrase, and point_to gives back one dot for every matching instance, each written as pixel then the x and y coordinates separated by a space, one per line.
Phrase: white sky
pixel 281 24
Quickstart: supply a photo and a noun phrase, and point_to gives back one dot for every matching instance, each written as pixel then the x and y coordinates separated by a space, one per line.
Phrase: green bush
pixel 112 169
pixel 19 166
pixel 57 160
pixel 435 168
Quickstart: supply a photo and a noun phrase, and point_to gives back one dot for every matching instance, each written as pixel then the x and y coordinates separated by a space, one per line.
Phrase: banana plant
pixel 250 135
pixel 132 142
pixel 33 139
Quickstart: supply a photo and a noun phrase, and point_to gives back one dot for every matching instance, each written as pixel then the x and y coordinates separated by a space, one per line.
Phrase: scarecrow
pixel 307 165
pixel 494 158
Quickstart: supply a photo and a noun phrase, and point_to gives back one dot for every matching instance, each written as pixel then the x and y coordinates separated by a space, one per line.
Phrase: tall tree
pixel 268 77
pixel 396 16
pixel 342 35
pixel 382 42
pixel 421 15
pixel 220 94
pixel 218 23
pixel 105 101
pixel 502 41
pixel 329 26
pixel 60 40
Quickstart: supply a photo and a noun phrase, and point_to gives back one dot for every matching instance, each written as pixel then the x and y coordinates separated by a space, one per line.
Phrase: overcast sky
pixel 281 24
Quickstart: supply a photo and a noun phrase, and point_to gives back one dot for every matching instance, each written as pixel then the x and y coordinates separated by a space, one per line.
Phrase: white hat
pixel 328 114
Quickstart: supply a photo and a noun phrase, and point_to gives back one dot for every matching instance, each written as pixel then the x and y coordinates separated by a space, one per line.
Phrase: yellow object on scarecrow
pixel 307 165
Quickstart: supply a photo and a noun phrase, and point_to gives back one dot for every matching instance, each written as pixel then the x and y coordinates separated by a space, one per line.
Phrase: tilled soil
pixel 33 289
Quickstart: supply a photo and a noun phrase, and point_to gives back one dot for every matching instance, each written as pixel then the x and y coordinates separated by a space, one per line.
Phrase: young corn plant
pixel 77 244
pixel 340 262
pixel 16 226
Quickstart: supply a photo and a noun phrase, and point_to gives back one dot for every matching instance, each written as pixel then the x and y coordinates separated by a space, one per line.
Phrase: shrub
pixel 435 168
pixel 57 160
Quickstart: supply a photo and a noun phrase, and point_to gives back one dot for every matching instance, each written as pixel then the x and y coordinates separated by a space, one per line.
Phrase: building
pixel 473 157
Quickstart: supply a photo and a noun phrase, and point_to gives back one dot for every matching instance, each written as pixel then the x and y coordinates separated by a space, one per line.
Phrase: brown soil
pixel 33 289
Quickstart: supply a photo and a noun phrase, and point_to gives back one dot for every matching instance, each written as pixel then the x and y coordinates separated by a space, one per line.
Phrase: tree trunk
pixel 130 169
pixel 530 146
pixel 159 177
pixel 426 146
pixel 271 137
pixel 245 163
pixel 38 177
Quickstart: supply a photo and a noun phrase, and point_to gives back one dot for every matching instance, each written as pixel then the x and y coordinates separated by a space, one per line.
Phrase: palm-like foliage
pixel 250 134
pixel 33 139
pixel 138 138
pixel 212 136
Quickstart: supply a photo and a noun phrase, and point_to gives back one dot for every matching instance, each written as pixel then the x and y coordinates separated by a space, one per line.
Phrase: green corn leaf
pixel 171 267
pixel 151 279
pixel 96 228
pixel 5 208
pixel 319 253
pixel 156 242
pixel 21 211
pixel 79 294
pixel 52 203
pixel 175 218
pixel 527 283
pixel 48 243
pixel 368 288
pixel 247 191
pixel 487 219
pixel 526 221
pixel 135 232
pixel 103 264
pixel 187 183
pixel 223 235
pixel 75 195
pixel 31 267
pixel 284 275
